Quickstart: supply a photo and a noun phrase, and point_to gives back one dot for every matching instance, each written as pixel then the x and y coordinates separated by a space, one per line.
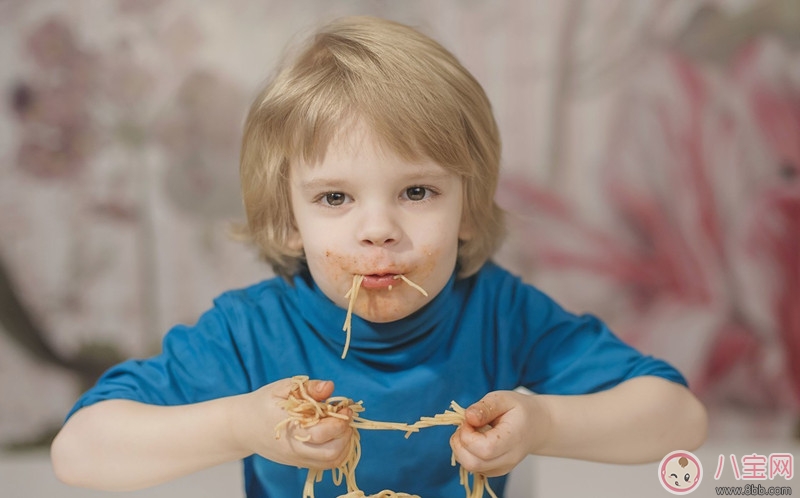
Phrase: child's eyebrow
pixel 323 184
pixel 430 173
pixel 425 173
pixel 422 174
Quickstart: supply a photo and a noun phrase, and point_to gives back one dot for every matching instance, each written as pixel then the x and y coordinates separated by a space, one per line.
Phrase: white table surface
pixel 29 475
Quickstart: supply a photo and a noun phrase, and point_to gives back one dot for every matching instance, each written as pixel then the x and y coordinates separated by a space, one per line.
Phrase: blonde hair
pixel 416 98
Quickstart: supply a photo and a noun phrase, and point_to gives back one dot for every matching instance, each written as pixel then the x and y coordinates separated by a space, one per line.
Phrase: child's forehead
pixel 356 137
pixel 352 137
pixel 357 133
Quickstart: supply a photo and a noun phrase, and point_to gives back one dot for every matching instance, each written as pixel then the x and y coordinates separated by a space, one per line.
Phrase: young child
pixel 369 167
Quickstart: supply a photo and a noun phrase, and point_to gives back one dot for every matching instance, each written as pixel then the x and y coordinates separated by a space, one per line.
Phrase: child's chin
pixel 384 306
pixel 387 314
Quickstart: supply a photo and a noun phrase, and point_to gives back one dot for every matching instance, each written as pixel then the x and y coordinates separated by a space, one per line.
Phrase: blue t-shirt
pixel 484 333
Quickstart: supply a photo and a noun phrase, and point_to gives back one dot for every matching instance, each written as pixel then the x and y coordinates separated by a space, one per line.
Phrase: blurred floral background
pixel 651 169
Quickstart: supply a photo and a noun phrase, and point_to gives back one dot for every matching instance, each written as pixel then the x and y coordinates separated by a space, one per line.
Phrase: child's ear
pixel 466 231
pixel 294 241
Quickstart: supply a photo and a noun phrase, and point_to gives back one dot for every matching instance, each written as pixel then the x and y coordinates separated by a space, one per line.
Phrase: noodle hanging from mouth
pixel 412 284
pixel 304 411
pixel 348 326
pixel 352 294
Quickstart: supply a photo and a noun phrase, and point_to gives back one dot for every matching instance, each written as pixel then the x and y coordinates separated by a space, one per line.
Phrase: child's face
pixel 365 211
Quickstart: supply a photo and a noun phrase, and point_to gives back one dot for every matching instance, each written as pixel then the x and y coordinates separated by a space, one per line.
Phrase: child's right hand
pixel 323 446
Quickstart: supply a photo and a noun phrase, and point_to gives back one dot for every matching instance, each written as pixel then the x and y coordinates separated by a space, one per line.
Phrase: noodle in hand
pixel 304 411
pixel 381 494
pixel 456 416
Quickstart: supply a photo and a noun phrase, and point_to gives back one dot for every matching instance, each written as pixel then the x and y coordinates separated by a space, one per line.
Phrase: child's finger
pixel 481 454
pixel 329 429
pixel 320 390
pixel 280 388
pixel 324 445
pixel 488 409
pixel 326 430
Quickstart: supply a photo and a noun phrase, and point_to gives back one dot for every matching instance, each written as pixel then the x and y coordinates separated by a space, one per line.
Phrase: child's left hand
pixel 500 431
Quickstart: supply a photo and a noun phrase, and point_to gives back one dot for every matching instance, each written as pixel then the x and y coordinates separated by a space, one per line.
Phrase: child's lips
pixel 379 281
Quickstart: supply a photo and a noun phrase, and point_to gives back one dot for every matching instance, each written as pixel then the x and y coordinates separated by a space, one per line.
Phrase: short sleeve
pixel 554 351
pixel 581 355
pixel 197 363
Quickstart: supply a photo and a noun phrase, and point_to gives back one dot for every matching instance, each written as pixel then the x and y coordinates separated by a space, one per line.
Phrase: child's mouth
pixel 388 281
pixel 379 281
pixel 372 281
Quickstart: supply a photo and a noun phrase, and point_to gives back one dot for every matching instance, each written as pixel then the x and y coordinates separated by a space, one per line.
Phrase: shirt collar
pixel 397 342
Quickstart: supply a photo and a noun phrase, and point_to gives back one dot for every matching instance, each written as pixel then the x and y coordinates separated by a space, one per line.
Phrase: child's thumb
pixel 485 411
pixel 320 389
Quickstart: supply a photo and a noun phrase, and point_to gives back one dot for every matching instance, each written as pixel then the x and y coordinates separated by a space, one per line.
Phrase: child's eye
pixel 333 198
pixel 418 193
pixel 687 477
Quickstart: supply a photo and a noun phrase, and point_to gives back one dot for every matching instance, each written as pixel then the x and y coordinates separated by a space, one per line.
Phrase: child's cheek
pixel 338 271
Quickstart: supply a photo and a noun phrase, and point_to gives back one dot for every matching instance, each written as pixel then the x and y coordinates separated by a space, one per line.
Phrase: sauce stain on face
pixel 381 305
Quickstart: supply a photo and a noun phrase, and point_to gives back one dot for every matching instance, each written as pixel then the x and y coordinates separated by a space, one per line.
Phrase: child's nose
pixel 379 228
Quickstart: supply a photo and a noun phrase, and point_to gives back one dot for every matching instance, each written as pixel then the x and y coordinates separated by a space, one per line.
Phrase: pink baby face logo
pixel 680 472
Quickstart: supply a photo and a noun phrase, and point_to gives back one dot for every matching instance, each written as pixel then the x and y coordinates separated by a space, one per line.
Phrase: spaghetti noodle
pixel 456 416
pixel 304 411
pixel 381 494
pixel 352 294
pixel 348 326
pixel 412 284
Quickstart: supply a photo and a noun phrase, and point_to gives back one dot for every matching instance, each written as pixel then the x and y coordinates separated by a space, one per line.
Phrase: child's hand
pixel 322 446
pixel 500 431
